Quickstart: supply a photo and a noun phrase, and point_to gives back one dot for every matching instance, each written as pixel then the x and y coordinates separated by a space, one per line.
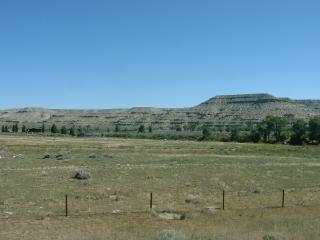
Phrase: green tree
pixel 24 129
pixel 263 131
pixel 63 130
pixel 235 135
pixel 141 129
pixel 254 135
pixel 273 126
pixel 15 127
pixel 116 129
pixel 279 127
pixel 43 128
pixel 150 129
pixel 54 129
pixel 88 129
pixel 80 132
pixel 72 131
pixel 299 132
pixel 314 129
pixel 205 134
pixel 3 128
pixel 6 129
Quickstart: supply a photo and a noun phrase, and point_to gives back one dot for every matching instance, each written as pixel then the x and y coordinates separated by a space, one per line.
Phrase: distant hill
pixel 217 112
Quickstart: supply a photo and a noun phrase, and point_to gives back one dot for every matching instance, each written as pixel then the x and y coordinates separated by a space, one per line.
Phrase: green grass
pixel 253 175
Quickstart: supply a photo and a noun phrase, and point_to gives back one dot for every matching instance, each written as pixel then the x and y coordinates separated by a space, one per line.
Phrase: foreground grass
pixel 241 224
pixel 253 175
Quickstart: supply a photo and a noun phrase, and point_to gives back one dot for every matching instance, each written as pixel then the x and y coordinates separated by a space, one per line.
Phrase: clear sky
pixel 161 53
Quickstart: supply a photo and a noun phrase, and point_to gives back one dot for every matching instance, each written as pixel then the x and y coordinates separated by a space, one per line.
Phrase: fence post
pixel 223 200
pixel 66 205
pixel 282 199
pixel 151 201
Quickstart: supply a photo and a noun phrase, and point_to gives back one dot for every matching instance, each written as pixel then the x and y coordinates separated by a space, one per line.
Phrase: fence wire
pixel 44 204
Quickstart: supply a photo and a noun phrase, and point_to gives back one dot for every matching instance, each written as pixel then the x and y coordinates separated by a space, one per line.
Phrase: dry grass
pixel 124 172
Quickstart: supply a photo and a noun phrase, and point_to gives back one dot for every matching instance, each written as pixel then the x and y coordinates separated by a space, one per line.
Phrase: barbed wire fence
pixel 72 204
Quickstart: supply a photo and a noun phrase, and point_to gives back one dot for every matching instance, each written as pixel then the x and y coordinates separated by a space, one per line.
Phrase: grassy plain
pixel 124 172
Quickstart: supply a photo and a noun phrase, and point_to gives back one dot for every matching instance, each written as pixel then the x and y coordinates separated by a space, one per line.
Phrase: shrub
pixel 170 234
pixel 59 156
pixel 193 199
pixel 183 216
pixel 274 236
pixel 81 175
pixel 47 156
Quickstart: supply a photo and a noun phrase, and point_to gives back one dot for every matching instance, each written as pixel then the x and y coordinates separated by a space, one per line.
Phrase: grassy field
pixel 114 202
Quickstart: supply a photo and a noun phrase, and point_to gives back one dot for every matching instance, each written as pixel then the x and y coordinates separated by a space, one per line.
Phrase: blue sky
pixel 168 53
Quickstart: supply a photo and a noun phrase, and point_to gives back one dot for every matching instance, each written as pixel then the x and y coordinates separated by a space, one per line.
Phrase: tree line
pixel 73 131
pixel 14 128
pixel 275 129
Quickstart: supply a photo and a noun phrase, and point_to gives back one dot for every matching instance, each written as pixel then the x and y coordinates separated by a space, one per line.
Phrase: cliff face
pixel 228 110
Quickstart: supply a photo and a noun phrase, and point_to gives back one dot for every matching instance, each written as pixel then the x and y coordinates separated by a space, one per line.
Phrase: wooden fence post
pixel 66 205
pixel 282 199
pixel 223 200
pixel 151 200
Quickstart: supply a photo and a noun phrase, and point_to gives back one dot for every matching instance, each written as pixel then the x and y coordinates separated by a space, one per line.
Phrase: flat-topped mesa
pixel 255 95
pixel 242 99
pixel 223 110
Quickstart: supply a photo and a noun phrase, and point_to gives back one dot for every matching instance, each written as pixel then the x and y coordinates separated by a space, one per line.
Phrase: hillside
pixel 219 111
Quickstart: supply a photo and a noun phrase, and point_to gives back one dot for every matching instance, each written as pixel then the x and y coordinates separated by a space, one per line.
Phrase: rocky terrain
pixel 217 112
